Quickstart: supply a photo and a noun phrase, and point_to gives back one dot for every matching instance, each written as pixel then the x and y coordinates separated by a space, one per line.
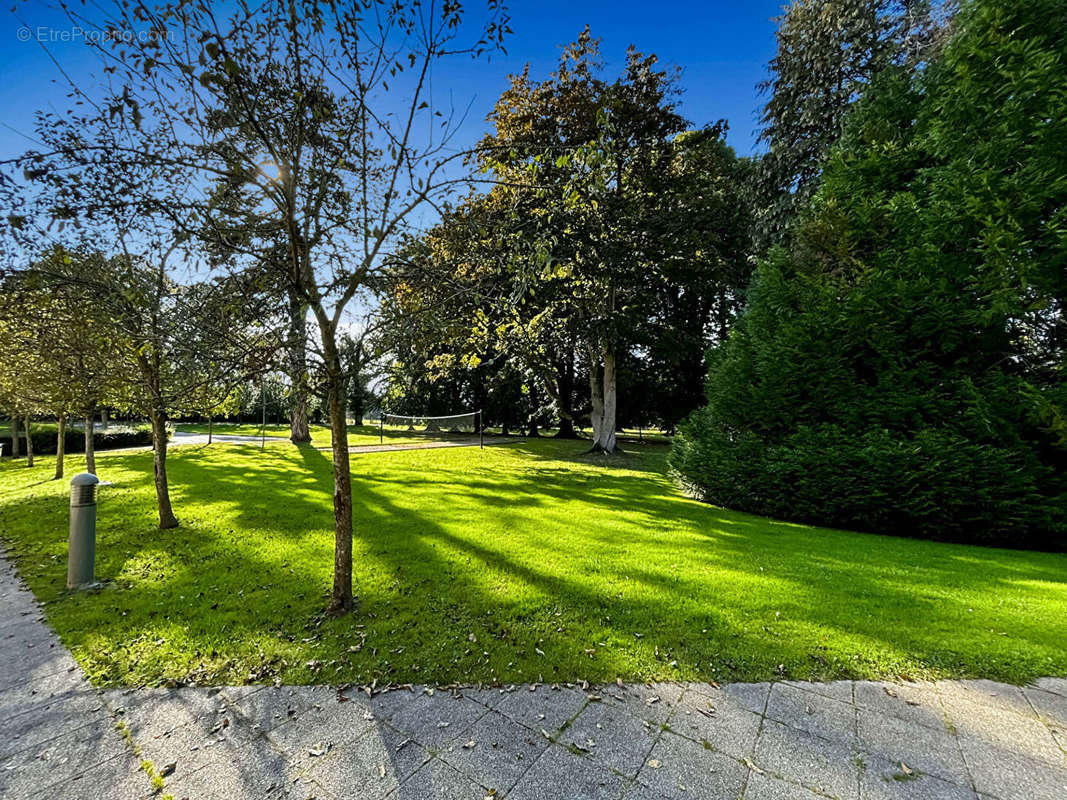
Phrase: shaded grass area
pixel 320 434
pixel 525 562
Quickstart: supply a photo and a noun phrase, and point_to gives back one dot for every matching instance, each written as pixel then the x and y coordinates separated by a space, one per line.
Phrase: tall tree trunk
pixel 565 399
pixel 105 419
pixel 341 596
pixel 29 444
pixel 90 447
pixel 602 390
pixel 159 462
pixel 210 427
pixel 299 432
pixel 61 442
pixel 16 445
pixel 533 430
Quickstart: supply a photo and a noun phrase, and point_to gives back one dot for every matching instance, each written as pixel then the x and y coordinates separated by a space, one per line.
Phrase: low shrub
pixel 44 440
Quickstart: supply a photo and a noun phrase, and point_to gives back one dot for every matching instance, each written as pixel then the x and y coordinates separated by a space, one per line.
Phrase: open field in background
pixel 526 562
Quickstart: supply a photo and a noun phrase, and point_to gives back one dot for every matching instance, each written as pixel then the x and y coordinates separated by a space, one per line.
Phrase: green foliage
pixel 560 567
pixel 902 369
pixel 828 52
pixel 44 439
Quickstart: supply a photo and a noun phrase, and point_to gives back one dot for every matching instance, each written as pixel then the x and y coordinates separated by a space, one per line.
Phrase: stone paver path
pixel 953 740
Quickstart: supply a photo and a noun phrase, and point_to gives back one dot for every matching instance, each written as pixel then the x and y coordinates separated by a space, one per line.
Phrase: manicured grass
pixel 522 562
pixel 358 435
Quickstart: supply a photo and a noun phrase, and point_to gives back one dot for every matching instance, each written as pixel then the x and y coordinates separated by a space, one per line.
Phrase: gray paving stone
pixel 749 696
pixel 64 715
pixel 885 780
pixel 334 724
pixel 18 666
pixel 1054 685
pixel 814 713
pixel 60 759
pixel 638 791
pixel 611 738
pixel 653 703
pixel 1000 696
pixel 1050 707
pixel 683 769
pixel 235 694
pixel 199 743
pixel 993 724
pixel 917 703
pixel 256 771
pixel 559 773
pixel 490 697
pixel 717 720
pixel 828 767
pixel 1008 775
pixel 500 751
pixel 919 747
pixel 386 705
pixel 544 708
pixel 437 721
pixel 764 787
pixel 120 778
pixel 274 706
pixel 28 695
pixel 370 767
pixel 438 780
pixel 152 712
pixel 842 691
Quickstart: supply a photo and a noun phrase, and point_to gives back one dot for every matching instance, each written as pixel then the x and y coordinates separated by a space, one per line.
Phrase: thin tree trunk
pixel 159 462
pixel 90 447
pixel 105 419
pixel 565 399
pixel 210 426
pixel 532 429
pixel 341 597
pixel 299 432
pixel 602 390
pixel 29 444
pixel 16 447
pixel 61 442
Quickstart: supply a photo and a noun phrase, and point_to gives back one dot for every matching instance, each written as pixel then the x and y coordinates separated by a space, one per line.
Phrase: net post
pixel 263 423
pixel 481 431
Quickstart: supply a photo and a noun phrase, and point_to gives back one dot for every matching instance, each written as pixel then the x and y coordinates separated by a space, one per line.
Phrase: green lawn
pixel 522 562
pixel 320 434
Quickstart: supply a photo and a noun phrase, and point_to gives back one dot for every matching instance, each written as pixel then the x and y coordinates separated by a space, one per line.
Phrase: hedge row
pixel 44 442
pixel 935 484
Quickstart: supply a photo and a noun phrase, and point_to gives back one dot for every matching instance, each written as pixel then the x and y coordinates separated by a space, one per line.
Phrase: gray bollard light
pixel 82 549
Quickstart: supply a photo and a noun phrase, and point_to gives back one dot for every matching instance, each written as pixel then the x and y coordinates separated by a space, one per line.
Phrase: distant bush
pixel 44 440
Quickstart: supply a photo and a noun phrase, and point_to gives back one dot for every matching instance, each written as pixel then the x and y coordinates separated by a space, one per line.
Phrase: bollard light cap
pixel 84 479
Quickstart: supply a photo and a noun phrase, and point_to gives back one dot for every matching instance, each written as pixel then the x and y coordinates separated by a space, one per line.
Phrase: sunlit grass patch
pixel 524 562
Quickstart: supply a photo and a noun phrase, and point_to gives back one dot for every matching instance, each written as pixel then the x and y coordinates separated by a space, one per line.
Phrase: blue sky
pixel 722 47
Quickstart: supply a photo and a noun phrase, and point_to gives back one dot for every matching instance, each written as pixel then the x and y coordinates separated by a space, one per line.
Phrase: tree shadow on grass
pixel 607 571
